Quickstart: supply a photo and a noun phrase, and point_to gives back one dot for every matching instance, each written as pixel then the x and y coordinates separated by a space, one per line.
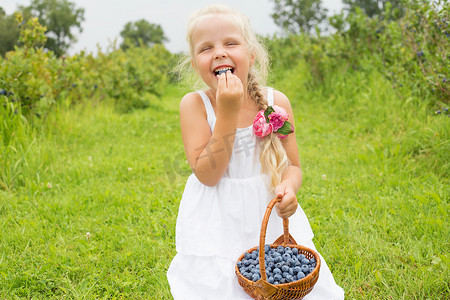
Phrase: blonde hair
pixel 273 157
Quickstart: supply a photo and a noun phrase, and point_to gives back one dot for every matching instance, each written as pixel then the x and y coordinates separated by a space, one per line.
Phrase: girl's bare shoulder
pixel 281 99
pixel 191 100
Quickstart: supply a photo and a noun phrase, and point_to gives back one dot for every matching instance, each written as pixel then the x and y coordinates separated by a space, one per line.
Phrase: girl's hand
pixel 288 204
pixel 230 93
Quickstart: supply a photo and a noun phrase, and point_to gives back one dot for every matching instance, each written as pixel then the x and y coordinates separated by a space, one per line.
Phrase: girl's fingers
pixel 222 83
pixel 287 206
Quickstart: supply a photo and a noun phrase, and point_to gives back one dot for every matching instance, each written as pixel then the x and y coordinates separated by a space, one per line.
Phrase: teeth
pixel 221 70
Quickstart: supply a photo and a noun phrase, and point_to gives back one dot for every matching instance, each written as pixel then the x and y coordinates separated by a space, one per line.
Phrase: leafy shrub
pixel 36 79
pixel 411 51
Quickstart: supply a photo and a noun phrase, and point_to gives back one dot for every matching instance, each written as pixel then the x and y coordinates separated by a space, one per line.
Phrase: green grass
pixel 380 215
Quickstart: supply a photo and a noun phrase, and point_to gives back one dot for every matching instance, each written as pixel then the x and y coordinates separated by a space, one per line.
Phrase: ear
pixel 252 59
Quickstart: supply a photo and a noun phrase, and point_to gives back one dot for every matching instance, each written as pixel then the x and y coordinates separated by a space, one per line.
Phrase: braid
pixel 273 157
pixel 255 92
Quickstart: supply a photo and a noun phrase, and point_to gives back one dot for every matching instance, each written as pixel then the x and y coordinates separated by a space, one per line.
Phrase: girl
pixel 239 162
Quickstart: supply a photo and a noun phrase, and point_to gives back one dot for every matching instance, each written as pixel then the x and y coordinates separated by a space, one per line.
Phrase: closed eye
pixel 204 49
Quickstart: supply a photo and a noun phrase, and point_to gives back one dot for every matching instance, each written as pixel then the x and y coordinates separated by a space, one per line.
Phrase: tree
pixel 9 32
pixel 59 17
pixel 374 7
pixel 298 16
pixel 142 33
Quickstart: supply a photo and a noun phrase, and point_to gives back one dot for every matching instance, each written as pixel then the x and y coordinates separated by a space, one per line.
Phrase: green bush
pixel 412 51
pixel 37 79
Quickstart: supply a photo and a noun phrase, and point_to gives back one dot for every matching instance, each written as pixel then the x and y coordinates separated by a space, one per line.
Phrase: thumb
pixel 279 191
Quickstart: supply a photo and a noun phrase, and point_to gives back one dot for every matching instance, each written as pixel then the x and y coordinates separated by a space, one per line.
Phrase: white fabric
pixel 215 225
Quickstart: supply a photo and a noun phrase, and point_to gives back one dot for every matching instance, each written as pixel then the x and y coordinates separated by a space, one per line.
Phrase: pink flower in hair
pixel 273 119
pixel 260 127
pixel 278 117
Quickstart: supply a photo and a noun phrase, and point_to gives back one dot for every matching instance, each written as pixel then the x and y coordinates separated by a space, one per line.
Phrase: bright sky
pixel 105 19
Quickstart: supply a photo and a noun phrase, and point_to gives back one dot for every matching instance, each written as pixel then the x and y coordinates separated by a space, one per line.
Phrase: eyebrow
pixel 232 37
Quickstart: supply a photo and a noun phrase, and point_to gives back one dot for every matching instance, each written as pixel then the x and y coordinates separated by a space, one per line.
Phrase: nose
pixel 220 53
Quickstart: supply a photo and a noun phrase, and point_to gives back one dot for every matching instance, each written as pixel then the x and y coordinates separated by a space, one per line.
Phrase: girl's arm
pixel 208 154
pixel 292 178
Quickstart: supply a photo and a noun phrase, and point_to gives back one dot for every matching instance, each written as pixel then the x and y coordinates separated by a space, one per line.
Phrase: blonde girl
pixel 239 161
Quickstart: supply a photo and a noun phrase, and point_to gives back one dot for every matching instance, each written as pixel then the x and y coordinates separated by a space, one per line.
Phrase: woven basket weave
pixel 263 290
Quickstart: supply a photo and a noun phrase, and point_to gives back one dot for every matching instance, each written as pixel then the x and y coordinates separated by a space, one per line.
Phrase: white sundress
pixel 215 225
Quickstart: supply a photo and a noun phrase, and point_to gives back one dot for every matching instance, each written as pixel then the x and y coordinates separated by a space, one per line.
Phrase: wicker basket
pixel 263 290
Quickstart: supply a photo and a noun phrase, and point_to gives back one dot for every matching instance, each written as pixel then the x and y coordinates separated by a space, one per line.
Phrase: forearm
pixel 292 178
pixel 215 157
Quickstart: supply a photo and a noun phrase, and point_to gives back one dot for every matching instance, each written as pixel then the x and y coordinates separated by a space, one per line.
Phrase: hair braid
pixel 273 157
pixel 255 92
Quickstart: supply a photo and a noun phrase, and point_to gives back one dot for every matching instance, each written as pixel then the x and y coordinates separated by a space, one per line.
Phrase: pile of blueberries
pixel 283 265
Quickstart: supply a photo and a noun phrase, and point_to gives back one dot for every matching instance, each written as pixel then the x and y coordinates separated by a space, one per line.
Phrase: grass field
pixel 89 201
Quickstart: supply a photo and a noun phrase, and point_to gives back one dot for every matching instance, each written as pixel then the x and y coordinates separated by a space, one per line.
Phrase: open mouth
pixel 221 70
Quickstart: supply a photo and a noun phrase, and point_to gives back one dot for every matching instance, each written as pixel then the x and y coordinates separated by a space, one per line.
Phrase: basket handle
pixel 262 237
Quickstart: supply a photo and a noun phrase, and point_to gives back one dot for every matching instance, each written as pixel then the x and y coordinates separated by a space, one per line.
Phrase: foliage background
pixel 92 163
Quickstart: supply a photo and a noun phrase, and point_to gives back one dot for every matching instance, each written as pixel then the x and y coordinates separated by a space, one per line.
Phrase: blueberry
pixel 247 255
pixel 2 92
pixel 221 71
pixel 297 269
pixel 291 262
pixel 270 280
pixel 254 255
pixel 305 269
pixel 266 248
pixel 283 280
pixel 289 278
pixel 278 265
pixel 312 260
pixel 239 264
pixel 276 271
pixel 256 277
pixel 295 251
pixel 246 262
pixel 280 249
pixel 300 257
pixel 285 268
pixel 285 274
pixel 286 256
pixel 305 261
pixel 277 277
pixel 300 275
pixel 291 271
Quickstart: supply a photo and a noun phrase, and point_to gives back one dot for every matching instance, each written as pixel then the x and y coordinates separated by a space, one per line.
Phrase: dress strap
pixel 269 96
pixel 210 115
